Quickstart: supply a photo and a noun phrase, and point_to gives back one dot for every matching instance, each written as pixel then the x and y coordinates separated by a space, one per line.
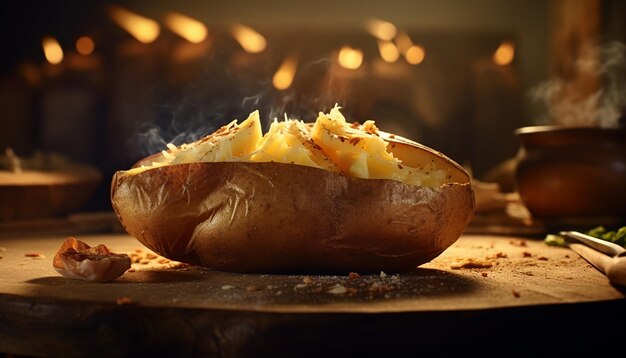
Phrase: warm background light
pixel 380 29
pixel 403 41
pixel 388 51
pixel 286 72
pixel 415 55
pixel 350 58
pixel 250 40
pixel 184 26
pixel 504 54
pixel 52 50
pixel 85 45
pixel 145 30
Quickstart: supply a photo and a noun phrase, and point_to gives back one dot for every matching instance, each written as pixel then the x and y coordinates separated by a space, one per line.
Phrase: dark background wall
pixel 132 98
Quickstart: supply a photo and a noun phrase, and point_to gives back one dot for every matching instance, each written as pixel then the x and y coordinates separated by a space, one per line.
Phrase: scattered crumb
pixel 163 261
pixel 269 287
pixel 278 293
pixel 131 270
pixel 526 254
pixel 383 274
pixel 515 294
pixel 151 256
pixel 338 289
pixel 521 243
pixel 351 290
pixel 144 261
pixel 483 274
pixel 542 258
pixel 471 263
pixel 179 265
pixel 567 256
pixel 307 280
pixel 138 250
pixel 123 301
pixel 380 288
pixel 252 288
pixel 353 275
pixel 499 255
pixel 227 287
pixel 35 256
pixel 300 285
pixel 375 287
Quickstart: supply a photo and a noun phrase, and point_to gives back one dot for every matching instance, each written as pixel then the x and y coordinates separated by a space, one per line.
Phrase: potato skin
pixel 284 218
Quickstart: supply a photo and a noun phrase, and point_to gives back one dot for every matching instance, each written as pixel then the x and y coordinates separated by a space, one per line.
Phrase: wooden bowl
pixel 35 194
pixel 572 172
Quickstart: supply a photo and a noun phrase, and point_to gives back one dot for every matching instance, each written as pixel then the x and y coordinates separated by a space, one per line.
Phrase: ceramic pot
pixel 572 172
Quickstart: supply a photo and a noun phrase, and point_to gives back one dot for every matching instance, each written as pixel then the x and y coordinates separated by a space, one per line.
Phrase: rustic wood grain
pixel 191 311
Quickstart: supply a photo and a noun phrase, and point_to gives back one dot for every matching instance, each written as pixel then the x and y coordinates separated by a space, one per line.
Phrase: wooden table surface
pixel 164 306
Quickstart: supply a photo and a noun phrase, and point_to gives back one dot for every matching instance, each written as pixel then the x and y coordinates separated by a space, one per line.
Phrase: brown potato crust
pixel 284 218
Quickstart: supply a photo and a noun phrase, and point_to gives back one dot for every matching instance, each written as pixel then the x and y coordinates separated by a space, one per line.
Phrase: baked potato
pixel 322 197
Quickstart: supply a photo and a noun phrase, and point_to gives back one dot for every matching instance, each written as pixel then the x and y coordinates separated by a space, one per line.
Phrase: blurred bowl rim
pixel 565 129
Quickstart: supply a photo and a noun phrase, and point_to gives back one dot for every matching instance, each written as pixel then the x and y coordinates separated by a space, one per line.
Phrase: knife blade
pixel 604 246
pixel 606 256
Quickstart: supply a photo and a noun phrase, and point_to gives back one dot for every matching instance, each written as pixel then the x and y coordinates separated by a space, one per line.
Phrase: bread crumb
pixel 252 288
pixel 521 243
pixel 526 254
pixel 515 293
pixel 383 274
pixel 227 287
pixel 307 280
pixel 542 258
pixel 338 289
pixel 483 274
pixel 471 263
pixel 378 287
pixel 499 255
pixel 35 256
pixel 353 275
pixel 300 285
pixel 151 256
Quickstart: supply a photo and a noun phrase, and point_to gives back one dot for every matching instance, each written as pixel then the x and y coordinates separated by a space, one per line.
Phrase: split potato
pixel 322 197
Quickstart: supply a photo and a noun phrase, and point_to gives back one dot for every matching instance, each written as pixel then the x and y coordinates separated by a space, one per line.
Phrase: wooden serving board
pixel 211 311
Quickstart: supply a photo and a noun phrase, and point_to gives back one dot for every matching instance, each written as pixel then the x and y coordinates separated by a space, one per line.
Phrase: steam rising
pixel 219 95
pixel 566 105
